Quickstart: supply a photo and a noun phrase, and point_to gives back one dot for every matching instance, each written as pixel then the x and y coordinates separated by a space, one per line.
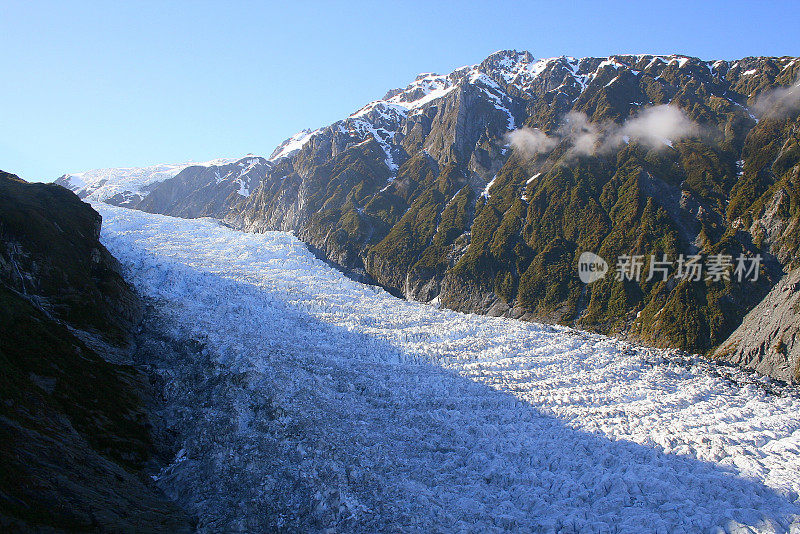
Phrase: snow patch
pixel 485 193
pixel 293 144
pixel 532 178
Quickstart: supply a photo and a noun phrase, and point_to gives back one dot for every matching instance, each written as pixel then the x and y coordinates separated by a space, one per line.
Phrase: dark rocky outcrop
pixel 76 438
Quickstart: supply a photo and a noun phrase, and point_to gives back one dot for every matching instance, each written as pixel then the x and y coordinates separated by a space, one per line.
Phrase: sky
pixel 122 84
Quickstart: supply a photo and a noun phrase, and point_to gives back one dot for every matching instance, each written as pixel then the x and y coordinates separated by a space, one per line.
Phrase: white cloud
pixel 583 134
pixel 658 126
pixel 654 127
pixel 531 141
pixel 778 102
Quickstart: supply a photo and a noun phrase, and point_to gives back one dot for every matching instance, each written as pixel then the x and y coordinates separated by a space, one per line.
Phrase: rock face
pixel 75 433
pixel 200 191
pixel 479 189
pixel 768 339
pixel 50 253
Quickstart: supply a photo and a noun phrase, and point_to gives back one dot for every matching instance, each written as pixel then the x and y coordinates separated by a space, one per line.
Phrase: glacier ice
pixel 305 401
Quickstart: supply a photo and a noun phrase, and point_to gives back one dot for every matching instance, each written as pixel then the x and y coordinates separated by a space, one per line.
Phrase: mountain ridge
pixel 478 189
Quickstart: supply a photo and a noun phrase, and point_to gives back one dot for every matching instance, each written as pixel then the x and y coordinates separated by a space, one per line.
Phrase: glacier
pixel 302 400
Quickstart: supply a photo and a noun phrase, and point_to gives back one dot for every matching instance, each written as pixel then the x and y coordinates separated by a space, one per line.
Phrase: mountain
pixel 479 190
pixel 124 186
pixel 199 191
pixel 75 426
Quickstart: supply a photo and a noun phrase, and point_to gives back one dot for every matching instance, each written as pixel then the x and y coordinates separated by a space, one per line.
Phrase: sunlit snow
pixel 293 144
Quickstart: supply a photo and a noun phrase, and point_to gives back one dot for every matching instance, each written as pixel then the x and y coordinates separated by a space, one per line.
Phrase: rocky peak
pixel 291 145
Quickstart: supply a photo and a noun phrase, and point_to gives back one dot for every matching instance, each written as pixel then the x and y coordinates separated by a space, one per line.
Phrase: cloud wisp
pixel 779 102
pixel 655 127
pixel 531 141
pixel 658 126
pixel 586 136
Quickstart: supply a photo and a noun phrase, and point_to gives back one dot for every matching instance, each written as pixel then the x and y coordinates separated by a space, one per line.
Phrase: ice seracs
pixel 305 401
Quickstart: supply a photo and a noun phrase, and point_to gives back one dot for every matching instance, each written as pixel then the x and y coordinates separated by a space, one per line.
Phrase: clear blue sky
pixel 88 85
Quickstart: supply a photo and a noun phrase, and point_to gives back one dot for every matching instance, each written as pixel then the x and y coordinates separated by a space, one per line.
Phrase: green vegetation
pixel 730 188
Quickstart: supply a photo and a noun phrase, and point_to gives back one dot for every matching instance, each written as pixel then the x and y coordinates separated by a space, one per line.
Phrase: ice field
pixel 305 401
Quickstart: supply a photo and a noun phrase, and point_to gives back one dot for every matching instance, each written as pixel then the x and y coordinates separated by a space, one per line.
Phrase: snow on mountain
pixel 304 401
pixel 380 120
pixel 499 77
pixel 425 88
pixel 126 184
pixel 429 87
pixel 242 175
pixel 292 145
pixel 501 71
